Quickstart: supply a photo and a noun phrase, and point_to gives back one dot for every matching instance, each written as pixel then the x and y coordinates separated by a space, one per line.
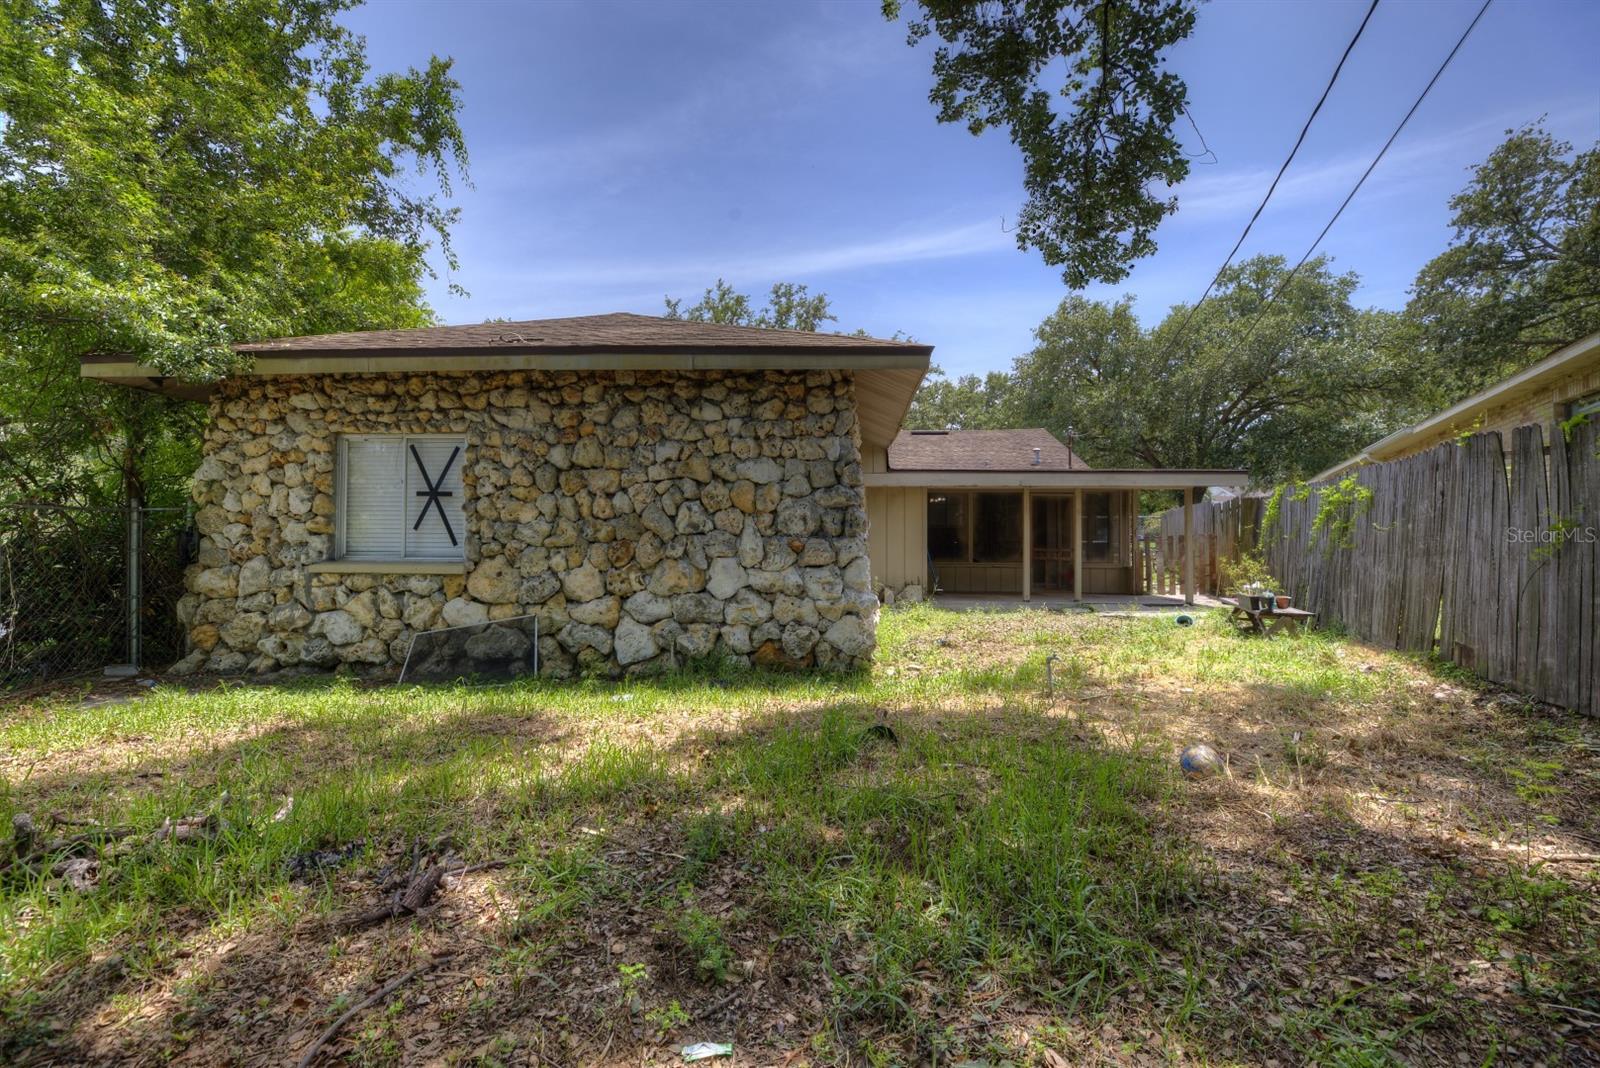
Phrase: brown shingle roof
pixel 618 332
pixel 980 450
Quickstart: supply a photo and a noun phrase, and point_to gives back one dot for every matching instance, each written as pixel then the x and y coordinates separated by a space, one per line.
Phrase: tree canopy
pixel 1522 275
pixel 1289 386
pixel 1082 89
pixel 1283 390
pixel 790 306
pixel 178 175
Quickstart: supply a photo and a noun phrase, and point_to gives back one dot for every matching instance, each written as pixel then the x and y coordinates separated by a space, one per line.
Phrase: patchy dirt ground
pixel 943 862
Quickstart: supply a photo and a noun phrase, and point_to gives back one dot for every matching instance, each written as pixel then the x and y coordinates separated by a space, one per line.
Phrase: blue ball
pixel 1200 760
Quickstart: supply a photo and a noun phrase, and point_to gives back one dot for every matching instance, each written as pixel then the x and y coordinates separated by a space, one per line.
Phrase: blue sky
pixel 624 151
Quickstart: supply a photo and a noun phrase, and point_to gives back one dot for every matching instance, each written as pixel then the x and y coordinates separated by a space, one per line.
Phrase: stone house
pixel 646 490
pixel 610 494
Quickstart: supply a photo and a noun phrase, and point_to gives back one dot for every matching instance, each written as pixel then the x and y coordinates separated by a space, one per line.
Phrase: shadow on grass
pixel 843 833
pixel 889 877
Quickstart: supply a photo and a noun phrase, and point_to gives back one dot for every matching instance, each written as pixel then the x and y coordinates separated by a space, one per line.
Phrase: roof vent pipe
pixel 1036 458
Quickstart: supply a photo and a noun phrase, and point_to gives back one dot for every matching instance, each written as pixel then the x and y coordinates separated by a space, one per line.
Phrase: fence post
pixel 134 577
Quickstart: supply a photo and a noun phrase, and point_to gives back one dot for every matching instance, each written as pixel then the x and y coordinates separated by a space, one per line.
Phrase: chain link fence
pixel 82 588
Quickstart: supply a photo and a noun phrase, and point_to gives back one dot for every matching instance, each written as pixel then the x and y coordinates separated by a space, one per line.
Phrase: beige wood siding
pixel 980 578
pixel 897 536
pixel 1547 407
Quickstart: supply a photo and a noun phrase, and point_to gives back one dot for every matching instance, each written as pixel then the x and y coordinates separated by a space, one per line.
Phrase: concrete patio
pixel 1090 602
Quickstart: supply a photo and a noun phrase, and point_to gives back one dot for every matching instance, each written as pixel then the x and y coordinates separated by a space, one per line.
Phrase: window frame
pixel 341 483
pixel 1584 406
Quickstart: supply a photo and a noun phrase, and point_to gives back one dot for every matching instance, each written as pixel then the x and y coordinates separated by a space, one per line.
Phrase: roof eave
pixel 413 362
pixel 1089 478
pixel 269 350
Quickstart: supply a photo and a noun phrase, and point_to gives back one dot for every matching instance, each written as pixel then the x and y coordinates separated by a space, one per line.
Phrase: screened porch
pixel 1027 541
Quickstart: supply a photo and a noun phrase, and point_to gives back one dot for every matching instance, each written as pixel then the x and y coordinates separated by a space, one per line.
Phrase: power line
pixel 1276 293
pixel 1184 325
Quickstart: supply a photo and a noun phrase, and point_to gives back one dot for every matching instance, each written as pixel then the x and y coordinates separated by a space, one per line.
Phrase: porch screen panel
pixel 1103 528
pixel 997 529
pixel 370 504
pixel 947 526
pixel 434 527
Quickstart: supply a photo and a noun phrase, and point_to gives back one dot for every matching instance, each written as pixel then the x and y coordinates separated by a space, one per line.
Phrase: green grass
pixel 1007 849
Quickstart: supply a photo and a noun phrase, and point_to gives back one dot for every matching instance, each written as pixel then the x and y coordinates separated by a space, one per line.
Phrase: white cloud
pixel 775 77
pixel 908 246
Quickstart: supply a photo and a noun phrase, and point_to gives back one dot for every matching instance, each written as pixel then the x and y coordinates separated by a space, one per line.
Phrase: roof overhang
pixel 1572 359
pixel 886 380
pixel 1089 478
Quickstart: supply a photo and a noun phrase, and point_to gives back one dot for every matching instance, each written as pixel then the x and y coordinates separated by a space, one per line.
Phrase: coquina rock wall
pixel 646 518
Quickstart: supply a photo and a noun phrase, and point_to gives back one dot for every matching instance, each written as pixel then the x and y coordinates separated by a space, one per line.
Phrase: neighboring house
pixel 1562 385
pixel 1008 512
pixel 649 490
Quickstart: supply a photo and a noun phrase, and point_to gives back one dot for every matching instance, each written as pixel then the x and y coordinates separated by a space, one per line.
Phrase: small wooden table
pixel 1268 622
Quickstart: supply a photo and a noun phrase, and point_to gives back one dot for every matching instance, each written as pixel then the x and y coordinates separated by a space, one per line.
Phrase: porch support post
pixel 1077 545
pixel 1188 545
pixel 1027 545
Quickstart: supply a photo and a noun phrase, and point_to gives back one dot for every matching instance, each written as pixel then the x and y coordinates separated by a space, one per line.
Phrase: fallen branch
pixel 412 898
pixel 419 888
pixel 30 849
pixel 382 992
pixel 1532 854
pixel 486 865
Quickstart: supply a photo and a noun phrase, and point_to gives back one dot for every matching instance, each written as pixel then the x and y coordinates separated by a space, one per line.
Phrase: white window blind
pixel 387 507
pixel 434 524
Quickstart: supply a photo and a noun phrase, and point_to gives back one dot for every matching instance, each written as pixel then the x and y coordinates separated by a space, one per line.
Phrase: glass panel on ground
pixel 502 649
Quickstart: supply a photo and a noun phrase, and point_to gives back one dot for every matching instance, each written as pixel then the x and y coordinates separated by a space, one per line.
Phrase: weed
pixel 1304 752
pixel 377 1045
pixel 1535 780
pixel 703 940
pixel 1521 899
pixel 630 981
pixel 666 1019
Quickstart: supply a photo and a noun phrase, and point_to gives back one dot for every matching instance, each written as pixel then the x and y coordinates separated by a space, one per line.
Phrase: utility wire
pixel 1184 325
pixel 1276 293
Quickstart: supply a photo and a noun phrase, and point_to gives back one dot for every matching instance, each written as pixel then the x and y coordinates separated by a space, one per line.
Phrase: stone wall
pixel 646 518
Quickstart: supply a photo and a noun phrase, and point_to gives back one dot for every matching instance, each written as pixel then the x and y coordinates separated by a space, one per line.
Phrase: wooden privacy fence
pixel 1222 530
pixel 1491 560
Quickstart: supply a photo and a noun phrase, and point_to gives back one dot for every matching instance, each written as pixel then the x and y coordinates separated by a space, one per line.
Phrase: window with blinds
pixel 400 497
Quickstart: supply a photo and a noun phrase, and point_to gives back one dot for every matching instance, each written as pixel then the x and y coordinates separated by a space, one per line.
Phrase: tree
pixel 1522 275
pixel 965 403
pixel 1283 389
pixel 1081 88
pixel 178 175
pixel 789 307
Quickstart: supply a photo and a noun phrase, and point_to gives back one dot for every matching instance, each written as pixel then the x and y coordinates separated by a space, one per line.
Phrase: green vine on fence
pixel 1338 509
pixel 1562 530
pixel 1270 514
pixel 1569 427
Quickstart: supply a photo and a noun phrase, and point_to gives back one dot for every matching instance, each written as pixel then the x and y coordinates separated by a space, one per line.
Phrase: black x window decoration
pixel 433 493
